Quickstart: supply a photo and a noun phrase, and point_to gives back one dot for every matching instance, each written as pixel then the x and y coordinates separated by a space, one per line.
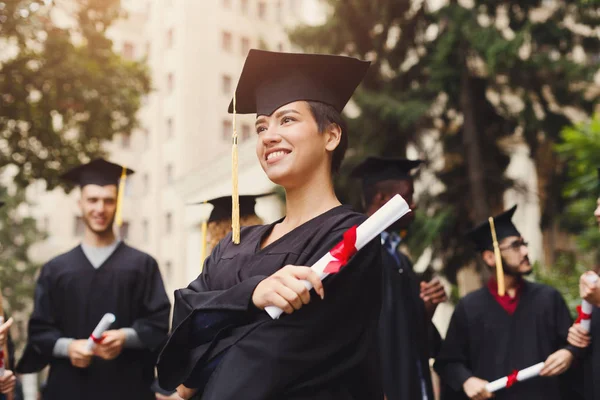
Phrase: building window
pixel 279 9
pixel 79 227
pixel 262 10
pixel 169 38
pixel 245 46
pixel 124 230
pixel 170 83
pixel 147 49
pixel 226 40
pixel 280 47
pixel 128 50
pixel 226 84
pixel 245 131
pixel 146 135
pixel 227 129
pixel 169 127
pixel 244 6
pixel 168 222
pixel 168 270
pixel 145 231
pixel 146 183
pixel 169 174
pixel 125 140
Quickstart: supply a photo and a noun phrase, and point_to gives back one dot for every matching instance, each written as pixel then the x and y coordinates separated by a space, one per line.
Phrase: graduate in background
pixel 219 220
pixel 491 335
pixel 228 347
pixel 407 337
pixel 74 291
pixel 590 291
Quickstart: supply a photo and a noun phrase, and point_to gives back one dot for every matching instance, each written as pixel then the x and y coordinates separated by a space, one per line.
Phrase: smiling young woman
pixel 224 346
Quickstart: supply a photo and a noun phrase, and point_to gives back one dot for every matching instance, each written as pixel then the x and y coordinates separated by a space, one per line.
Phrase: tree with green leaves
pixel 468 75
pixel 64 90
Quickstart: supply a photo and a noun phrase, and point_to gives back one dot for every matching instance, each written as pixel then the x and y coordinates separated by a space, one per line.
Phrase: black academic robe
pixel 229 349
pixel 591 360
pixel 483 340
pixel 71 297
pixel 405 332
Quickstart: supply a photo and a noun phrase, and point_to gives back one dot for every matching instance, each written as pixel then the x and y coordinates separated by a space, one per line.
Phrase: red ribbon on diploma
pixel 1 358
pixel 97 340
pixel 581 315
pixel 342 252
pixel 512 378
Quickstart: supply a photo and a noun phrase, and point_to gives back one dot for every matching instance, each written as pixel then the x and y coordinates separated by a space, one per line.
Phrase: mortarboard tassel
pixel 203 248
pixel 120 195
pixel 235 198
pixel 499 270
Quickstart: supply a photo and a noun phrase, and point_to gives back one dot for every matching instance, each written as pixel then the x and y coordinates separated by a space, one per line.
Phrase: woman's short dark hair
pixel 324 115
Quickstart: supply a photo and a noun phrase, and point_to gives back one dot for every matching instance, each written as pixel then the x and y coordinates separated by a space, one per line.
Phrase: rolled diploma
pixel 102 326
pixel 586 307
pixel 392 211
pixel 523 375
pixel 2 355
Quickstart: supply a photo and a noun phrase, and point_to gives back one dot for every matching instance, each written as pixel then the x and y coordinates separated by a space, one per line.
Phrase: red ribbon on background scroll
pixel 512 378
pixel 581 315
pixel 342 252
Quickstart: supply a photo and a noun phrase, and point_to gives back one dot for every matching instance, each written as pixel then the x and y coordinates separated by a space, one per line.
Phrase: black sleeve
pixel 452 363
pixel 563 323
pixel 434 339
pixel 153 324
pixel 43 331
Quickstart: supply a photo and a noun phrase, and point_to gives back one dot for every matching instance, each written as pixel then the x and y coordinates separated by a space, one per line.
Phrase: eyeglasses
pixel 515 246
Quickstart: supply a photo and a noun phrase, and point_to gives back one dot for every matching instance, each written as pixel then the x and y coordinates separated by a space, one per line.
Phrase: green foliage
pixel 564 277
pixel 64 91
pixel 438 68
pixel 580 150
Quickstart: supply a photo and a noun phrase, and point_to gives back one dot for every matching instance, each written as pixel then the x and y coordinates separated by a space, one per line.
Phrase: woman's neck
pixel 308 201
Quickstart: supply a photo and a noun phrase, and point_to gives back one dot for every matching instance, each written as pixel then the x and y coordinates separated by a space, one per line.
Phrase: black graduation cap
pixel 222 206
pixel 270 80
pixel 377 169
pixel 481 235
pixel 97 172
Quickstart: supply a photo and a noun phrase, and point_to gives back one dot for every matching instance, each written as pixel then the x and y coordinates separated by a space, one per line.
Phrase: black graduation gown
pixel 591 361
pixel 405 332
pixel 483 340
pixel 325 350
pixel 71 297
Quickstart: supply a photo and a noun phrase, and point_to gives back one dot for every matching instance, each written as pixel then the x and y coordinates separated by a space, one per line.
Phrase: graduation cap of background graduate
pixel 378 169
pixel 270 80
pixel 487 235
pixel 102 173
pixel 222 212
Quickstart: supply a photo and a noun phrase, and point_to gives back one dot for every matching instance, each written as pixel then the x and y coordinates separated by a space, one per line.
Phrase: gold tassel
pixel 235 200
pixel 120 195
pixel 203 248
pixel 499 270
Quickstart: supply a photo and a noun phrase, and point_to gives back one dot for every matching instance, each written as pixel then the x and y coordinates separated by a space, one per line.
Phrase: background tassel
pixel 235 198
pixel 120 195
pixel 499 269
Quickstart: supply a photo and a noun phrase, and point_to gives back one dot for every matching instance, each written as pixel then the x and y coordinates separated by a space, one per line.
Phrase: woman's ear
pixel 333 136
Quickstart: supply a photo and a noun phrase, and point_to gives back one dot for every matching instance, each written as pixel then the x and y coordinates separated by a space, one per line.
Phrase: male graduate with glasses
pixel 491 335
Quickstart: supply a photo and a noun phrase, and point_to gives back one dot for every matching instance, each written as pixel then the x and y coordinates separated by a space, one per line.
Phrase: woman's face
pixel 290 147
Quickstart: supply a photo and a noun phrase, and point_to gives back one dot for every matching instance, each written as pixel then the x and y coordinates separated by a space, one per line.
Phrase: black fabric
pixel 270 80
pixel 483 340
pixel 97 172
pixel 71 297
pixel 377 169
pixel 591 361
pixel 323 351
pixel 481 236
pixel 222 206
pixel 405 332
